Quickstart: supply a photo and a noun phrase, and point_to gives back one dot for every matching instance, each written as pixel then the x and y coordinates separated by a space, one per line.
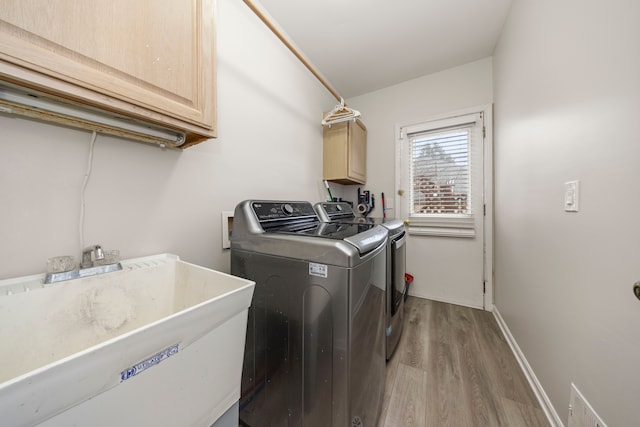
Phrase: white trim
pixel 427 220
pixel 488 206
pixel 431 225
pixel 435 118
pixel 450 121
pixel 543 399
pixel 487 110
pixel 454 301
pixel 441 231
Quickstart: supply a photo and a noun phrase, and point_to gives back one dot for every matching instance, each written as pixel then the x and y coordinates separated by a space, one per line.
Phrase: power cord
pixel 87 175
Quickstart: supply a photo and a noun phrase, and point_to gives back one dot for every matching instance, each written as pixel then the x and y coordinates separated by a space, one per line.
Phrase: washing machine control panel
pixel 269 211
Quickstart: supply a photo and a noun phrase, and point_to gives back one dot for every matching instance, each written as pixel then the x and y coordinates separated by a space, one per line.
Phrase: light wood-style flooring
pixel 454 368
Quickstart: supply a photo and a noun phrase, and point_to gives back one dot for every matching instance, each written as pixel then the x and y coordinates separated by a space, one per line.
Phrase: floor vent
pixel 581 414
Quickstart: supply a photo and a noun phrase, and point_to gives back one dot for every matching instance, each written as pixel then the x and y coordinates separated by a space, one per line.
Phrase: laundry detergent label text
pixel 148 363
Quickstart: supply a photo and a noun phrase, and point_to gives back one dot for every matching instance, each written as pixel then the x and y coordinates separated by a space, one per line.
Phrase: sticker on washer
pixel 319 270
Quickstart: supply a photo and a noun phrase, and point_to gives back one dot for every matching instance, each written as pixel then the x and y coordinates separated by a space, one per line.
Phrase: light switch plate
pixel 572 196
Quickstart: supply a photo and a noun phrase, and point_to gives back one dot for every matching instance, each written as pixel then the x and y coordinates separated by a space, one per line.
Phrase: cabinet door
pixel 345 153
pixel 152 59
pixel 357 141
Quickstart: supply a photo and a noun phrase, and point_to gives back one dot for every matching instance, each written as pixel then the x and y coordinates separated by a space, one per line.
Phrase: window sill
pixel 442 231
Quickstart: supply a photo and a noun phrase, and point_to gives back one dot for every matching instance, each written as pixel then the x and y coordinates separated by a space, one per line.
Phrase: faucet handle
pixel 61 264
pixel 107 257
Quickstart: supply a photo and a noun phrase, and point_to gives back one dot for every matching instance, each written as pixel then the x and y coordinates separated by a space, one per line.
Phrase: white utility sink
pixel 159 343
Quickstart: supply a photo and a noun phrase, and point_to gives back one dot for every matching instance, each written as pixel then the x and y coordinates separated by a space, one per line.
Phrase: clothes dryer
pixel 395 265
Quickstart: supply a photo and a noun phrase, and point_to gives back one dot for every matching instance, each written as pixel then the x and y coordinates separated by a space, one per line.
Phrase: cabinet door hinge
pixel 484 132
pixel 484 287
pixel 484 210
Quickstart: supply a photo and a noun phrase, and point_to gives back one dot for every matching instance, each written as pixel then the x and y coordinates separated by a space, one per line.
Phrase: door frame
pixel 487 161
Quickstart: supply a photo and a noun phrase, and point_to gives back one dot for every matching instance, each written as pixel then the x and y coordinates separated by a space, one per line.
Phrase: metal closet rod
pixel 264 18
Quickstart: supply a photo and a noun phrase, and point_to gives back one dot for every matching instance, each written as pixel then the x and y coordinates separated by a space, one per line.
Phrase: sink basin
pixel 160 342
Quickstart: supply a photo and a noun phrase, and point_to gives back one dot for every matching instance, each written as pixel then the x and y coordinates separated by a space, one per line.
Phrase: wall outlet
pixel 581 414
pixel 571 196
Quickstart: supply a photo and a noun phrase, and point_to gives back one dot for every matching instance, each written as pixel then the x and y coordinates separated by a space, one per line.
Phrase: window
pixel 441 175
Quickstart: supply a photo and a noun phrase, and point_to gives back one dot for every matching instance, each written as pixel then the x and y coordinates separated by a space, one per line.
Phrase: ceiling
pixel 364 45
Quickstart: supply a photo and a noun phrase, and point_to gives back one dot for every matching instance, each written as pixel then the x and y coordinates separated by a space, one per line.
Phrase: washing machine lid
pixel 342 212
pixel 365 237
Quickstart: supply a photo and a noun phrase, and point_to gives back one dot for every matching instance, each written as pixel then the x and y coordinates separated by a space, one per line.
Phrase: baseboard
pixel 542 397
pixel 445 300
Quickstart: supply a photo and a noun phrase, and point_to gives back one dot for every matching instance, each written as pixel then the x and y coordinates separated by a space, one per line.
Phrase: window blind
pixel 441 172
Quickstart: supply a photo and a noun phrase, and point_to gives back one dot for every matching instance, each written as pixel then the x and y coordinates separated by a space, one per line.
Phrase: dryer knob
pixel 287 209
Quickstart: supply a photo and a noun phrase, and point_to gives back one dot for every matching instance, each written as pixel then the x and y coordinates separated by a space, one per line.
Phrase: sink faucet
pixel 94 261
pixel 90 255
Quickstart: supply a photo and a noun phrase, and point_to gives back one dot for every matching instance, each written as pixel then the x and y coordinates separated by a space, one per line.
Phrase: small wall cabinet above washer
pixel 144 60
pixel 344 153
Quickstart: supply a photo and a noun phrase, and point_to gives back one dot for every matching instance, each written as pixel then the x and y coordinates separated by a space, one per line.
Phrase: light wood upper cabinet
pixel 148 59
pixel 344 153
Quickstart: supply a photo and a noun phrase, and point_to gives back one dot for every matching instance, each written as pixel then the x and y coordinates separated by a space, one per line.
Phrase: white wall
pixel 143 200
pixel 469 85
pixel 567 103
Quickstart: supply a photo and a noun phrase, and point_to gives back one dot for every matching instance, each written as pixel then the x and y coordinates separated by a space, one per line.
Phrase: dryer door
pixel 398 269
